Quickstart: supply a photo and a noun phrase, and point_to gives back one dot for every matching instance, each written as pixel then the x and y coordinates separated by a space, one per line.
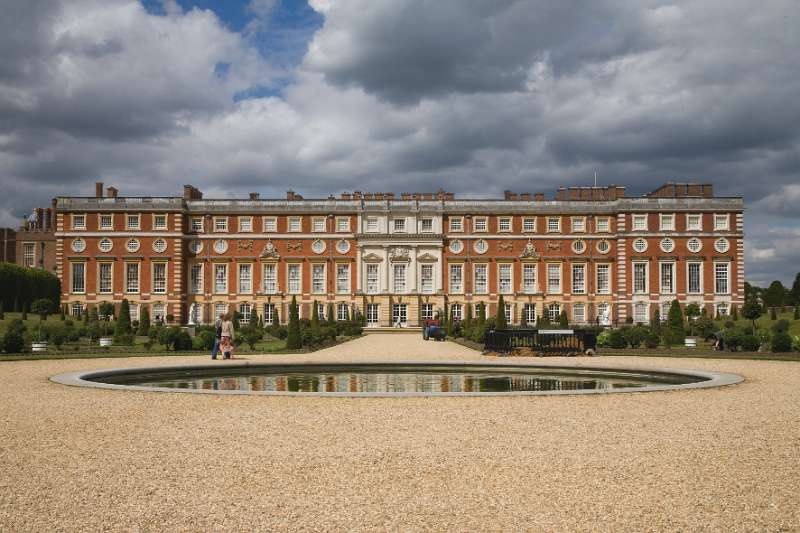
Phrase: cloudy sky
pixel 475 96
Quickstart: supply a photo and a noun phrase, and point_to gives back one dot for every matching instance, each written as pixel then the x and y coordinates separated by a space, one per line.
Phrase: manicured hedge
pixel 20 286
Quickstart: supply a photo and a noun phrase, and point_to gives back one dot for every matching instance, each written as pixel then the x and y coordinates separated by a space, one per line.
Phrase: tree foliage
pixel 23 285
pixel 294 340
pixel 500 319
pixel 674 333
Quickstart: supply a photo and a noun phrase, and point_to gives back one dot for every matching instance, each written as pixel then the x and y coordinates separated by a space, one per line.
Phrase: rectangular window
pixel 399 224
pixel 578 224
pixel 134 311
pixel 372 278
pixel 666 222
pixel 508 311
pixel 529 224
pixel 132 277
pixel 426 279
pixel 603 225
pixel 694 279
pixel 269 314
pixel 245 278
pixel 342 312
pixel 342 224
pixel 197 224
pixel 579 279
pixel 553 224
pixel 293 277
pixel 132 222
pixel 270 224
pixel 481 279
pixel 529 313
pixel 196 279
pixel 480 224
pixel 639 222
pixel 219 310
pixel 321 311
pixel 641 313
pixel 270 278
pixel 318 225
pixel 427 311
pixel 160 222
pixel 456 312
pixel 640 278
pixel 529 277
pixel 104 281
pixel 456 224
pixel 667 278
pixel 427 225
pixel 159 278
pixel 399 278
pixel 244 312
pixel 221 278
pixel 318 279
pixel 504 278
pixel 245 224
pixel 342 278
pixel 554 278
pixel 457 278
pixel 578 313
pixel 78 221
pixel 221 224
pixel 295 224
pixel 721 285
pixel 29 254
pixel 603 279
pixel 372 314
pixel 504 224
pixel 107 222
pixel 694 222
pixel 721 222
pixel 553 312
pixel 372 225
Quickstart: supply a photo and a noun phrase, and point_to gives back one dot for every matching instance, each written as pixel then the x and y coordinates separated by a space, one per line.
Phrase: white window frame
pixel 129 287
pixel 196 225
pixel 196 278
pixel 427 221
pixel 456 224
pixel 156 225
pixel 456 312
pixel 372 225
pixel 426 311
pixel 157 289
pixel 727 280
pixel 342 312
pixel 603 288
pixel 529 224
pixel 529 285
pixel 372 283
pixel 482 282
pixel 666 222
pixel 220 225
pixel 402 225
pixel 580 227
pixel 556 268
pixel 505 224
pixel 641 312
pixel 603 225
pixel 554 312
pixel 106 227
pixel 639 222
pixel 129 226
pixel 245 313
pixel 245 224
pixel 645 280
pixel 529 313
pixel 220 282
pixel 294 225
pixel 318 225
pixel 694 227
pixel 578 318
pixel 100 288
pixel 29 254
pixel 294 284
pixel 269 278
pixel 426 278
pixel 663 289
pixel 699 277
pixel 722 222
pixel 578 285
pixel 79 221
pixel 269 314
pixel 484 221
pixel 269 224
pixel 245 284
pixel 399 283
pixel 505 283
pixel 342 224
pixel 342 278
pixel 509 312
pixel 318 283
pixel 553 224
pixel 456 278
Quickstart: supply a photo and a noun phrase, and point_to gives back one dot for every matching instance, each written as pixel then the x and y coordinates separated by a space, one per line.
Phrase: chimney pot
pixel 111 192
pixel 254 196
pixel 98 189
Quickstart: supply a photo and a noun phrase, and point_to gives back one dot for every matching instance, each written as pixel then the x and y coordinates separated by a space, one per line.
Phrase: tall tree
pixel 751 311
pixel 500 321
pixel 794 293
pixel 123 324
pixel 294 340
pixel 674 332
pixel 144 322
pixel 775 295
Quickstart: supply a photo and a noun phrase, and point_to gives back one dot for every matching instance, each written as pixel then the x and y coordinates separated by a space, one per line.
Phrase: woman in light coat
pixel 226 343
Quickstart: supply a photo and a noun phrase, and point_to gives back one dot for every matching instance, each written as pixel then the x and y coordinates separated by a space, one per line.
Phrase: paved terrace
pixel 706 460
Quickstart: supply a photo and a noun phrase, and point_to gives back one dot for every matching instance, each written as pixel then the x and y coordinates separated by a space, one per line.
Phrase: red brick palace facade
pixel 591 251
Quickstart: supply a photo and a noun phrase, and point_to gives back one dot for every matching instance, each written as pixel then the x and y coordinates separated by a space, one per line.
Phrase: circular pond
pixel 394 379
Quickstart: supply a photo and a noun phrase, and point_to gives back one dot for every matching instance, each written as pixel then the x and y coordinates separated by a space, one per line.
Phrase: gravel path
pixel 723 459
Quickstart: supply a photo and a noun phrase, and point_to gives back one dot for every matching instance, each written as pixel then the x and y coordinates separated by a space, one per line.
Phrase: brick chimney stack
pixel 111 192
pixel 98 189
pixel 255 196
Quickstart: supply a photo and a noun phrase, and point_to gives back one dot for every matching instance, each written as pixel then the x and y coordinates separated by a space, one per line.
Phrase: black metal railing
pixel 544 342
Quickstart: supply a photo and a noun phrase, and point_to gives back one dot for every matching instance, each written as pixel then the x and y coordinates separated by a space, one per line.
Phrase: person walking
pixel 217 336
pixel 226 343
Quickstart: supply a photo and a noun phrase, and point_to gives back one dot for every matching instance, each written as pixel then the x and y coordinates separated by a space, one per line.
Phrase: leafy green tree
pixel 797 312
pixel 773 315
pixel 794 293
pixel 692 311
pixel 42 307
pixel 123 332
pixel 252 334
pixel 331 315
pixel 144 322
pixel 63 313
pixel 500 319
pixel 751 311
pixel 466 325
pixel 781 342
pixel 734 313
pixel 775 295
pixel 674 333
pixel 294 340
pixel 563 321
pixel 655 322
pixel 106 310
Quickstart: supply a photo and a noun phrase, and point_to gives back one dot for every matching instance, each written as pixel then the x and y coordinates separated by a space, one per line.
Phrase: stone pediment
pixel 530 253
pixel 372 258
pixel 427 258
pixel 270 252
pixel 400 254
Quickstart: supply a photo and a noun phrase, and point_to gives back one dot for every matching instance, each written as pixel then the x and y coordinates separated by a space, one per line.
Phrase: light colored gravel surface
pixel 723 459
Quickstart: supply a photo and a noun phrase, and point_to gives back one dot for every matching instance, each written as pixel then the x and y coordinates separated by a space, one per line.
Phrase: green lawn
pixel 764 322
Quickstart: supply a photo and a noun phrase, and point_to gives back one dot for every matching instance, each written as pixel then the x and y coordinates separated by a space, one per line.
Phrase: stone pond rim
pixel 699 379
